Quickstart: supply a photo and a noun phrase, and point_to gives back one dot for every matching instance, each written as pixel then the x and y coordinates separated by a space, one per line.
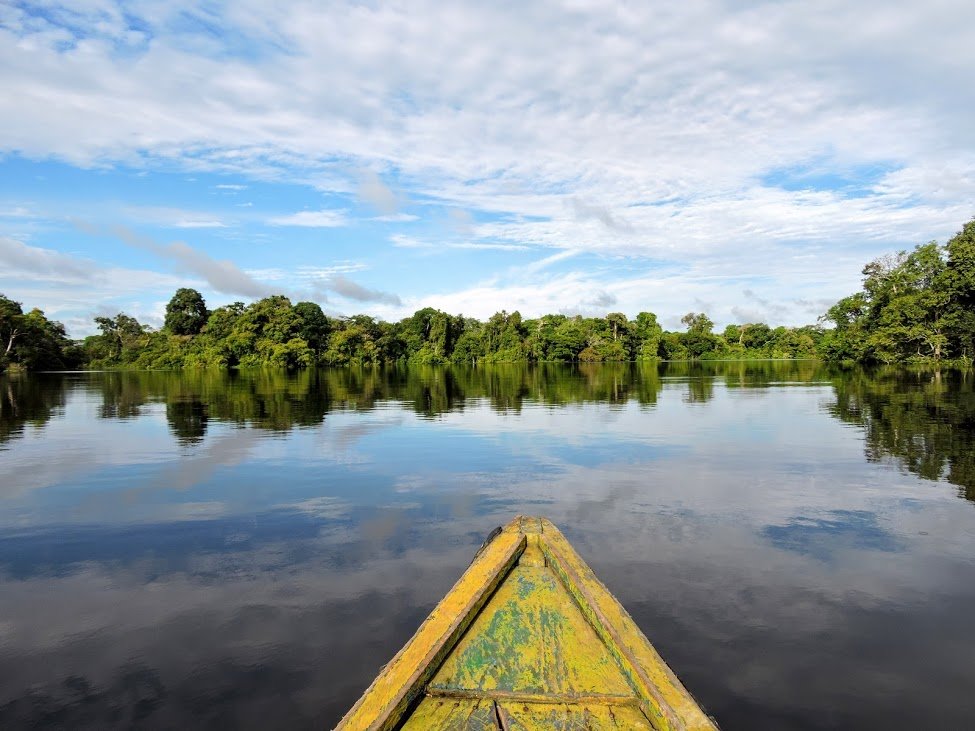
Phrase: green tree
pixel 914 306
pixel 44 344
pixel 647 333
pixel 672 347
pixel 267 333
pixel 698 340
pixel 471 345
pixel 848 339
pixel 314 326
pixel 12 326
pixel 121 336
pixel 222 320
pixel 186 312
pixel 505 337
pixel 698 323
pixel 430 335
pixel 568 339
pixel 31 341
pixel 959 281
pixel 755 336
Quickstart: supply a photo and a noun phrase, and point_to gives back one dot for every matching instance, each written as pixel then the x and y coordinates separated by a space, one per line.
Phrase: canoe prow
pixel 528 638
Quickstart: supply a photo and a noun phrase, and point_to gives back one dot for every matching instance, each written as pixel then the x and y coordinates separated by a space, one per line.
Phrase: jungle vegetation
pixel 916 306
pixel 277 333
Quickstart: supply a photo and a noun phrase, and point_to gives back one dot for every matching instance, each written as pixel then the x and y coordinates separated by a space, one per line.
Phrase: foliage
pixel 314 326
pixel 914 306
pixel 273 332
pixel 186 313
pixel 31 341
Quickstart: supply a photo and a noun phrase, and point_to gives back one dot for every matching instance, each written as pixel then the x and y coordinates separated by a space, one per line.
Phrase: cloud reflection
pixel 258 572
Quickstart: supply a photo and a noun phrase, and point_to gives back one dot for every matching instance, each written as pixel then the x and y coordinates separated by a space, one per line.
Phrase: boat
pixel 528 638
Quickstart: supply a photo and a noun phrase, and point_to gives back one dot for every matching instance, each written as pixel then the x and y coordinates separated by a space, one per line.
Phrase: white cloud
pixel 397 218
pixel 409 242
pixel 70 288
pixel 345 287
pixel 403 241
pixel 646 131
pixel 222 275
pixel 199 223
pixel 16 256
pixel 312 219
pixel 339 267
pixel 173 217
pixel 488 246
pixel 376 193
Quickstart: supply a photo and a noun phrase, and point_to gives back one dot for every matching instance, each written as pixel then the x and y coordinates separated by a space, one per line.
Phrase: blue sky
pixel 745 159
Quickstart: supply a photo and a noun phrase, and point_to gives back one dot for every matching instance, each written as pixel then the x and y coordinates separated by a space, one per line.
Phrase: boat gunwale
pixel 384 703
pixel 662 698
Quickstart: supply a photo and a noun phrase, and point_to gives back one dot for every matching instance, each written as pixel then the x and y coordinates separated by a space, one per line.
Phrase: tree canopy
pixel 914 306
pixel 186 312
pixel 31 341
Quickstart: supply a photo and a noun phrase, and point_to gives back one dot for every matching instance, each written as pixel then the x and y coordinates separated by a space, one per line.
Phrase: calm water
pixel 187 550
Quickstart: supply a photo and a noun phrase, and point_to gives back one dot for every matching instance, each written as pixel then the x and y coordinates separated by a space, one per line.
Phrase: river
pixel 246 549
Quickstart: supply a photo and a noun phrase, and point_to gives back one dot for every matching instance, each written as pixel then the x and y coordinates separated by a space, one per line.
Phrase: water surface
pixel 247 549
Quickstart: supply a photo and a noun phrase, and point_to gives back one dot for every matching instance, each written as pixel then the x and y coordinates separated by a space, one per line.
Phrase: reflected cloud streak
pixel 247 549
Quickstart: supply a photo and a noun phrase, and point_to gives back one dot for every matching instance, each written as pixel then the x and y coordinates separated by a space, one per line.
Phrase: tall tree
pixel 314 327
pixel 698 323
pixel 45 344
pixel 186 312
pixel 31 340
pixel 698 339
pixel 959 280
pixel 648 333
pixel 11 325
pixel 120 332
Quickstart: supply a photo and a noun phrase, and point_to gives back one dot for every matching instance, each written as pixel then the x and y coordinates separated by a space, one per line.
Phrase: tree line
pixel 274 332
pixel 914 306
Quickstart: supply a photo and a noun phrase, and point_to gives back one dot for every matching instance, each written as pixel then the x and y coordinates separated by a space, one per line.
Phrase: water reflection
pixel 27 402
pixel 280 400
pixel 823 537
pixel 246 549
pixel 924 420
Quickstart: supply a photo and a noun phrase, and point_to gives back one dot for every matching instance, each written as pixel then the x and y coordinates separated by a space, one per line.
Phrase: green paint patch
pixel 531 638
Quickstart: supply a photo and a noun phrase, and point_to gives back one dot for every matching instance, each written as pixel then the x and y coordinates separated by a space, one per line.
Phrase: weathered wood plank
pixel 439 714
pixel 501 695
pixel 532 638
pixel 383 704
pixel 667 702
pixel 573 717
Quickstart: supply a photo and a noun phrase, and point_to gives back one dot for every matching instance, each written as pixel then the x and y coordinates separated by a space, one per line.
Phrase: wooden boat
pixel 528 638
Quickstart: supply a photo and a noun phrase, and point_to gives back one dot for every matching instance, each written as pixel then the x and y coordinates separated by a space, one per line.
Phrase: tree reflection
pixel 278 400
pixel 188 420
pixel 925 420
pixel 27 401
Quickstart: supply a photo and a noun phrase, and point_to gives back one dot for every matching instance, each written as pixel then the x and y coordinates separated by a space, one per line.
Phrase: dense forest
pixel 274 332
pixel 914 306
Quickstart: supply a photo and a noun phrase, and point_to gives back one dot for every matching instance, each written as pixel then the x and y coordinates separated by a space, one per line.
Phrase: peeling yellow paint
pixel 528 638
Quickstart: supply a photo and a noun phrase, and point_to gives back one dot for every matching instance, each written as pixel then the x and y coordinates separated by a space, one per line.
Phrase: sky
pixel 744 159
